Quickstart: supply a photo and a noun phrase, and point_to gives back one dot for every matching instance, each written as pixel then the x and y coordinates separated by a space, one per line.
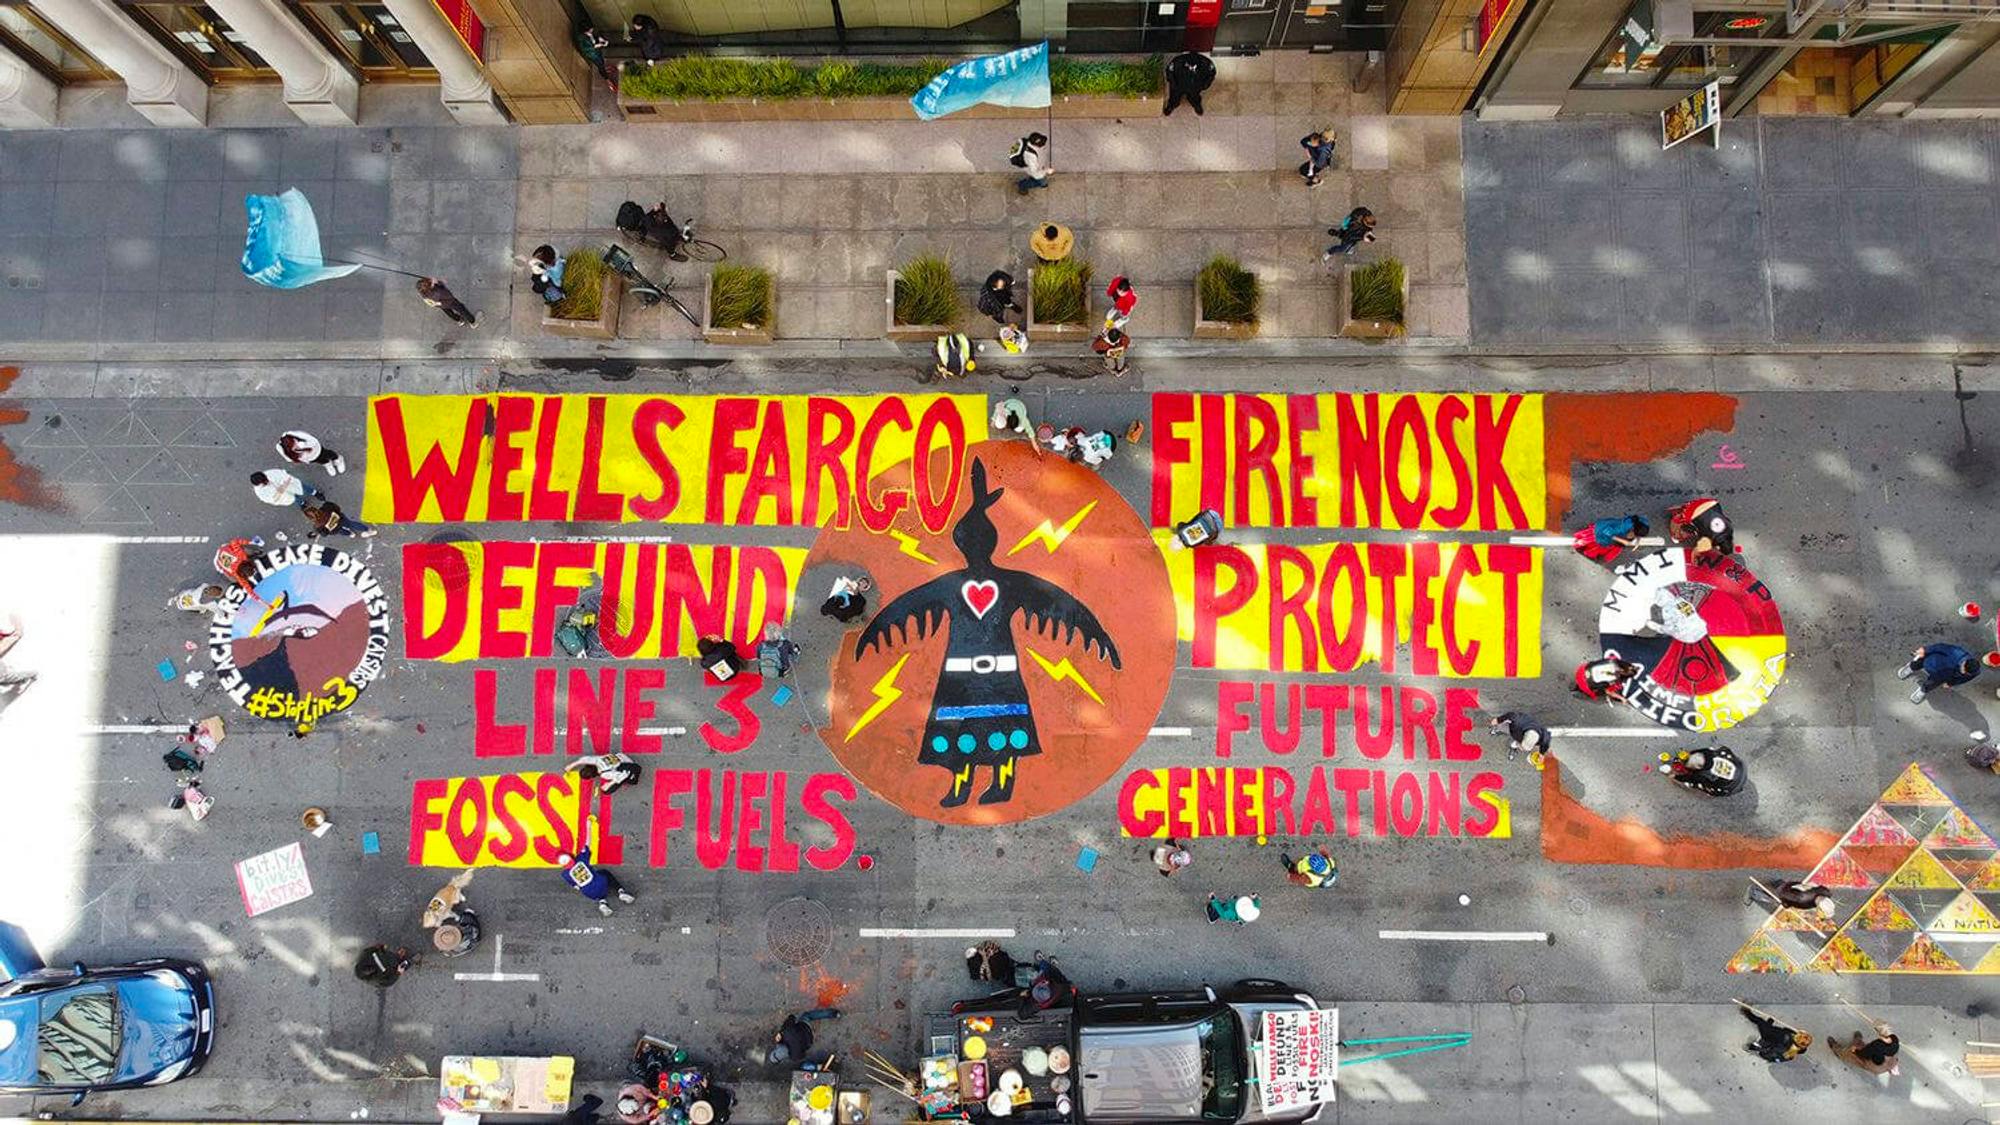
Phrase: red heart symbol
pixel 980 596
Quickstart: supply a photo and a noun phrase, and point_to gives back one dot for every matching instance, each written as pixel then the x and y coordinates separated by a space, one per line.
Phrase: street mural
pixel 1916 883
pixel 310 638
pixel 1024 628
pixel 1707 633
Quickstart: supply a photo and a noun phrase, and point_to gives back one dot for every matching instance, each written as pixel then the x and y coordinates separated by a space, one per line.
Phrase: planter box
pixel 1369 329
pixel 1039 331
pixel 895 330
pixel 736 334
pixel 1218 329
pixel 665 111
pixel 605 327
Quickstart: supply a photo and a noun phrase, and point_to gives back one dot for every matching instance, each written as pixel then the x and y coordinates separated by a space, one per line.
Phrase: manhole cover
pixel 1579 905
pixel 799 931
pixel 1517 995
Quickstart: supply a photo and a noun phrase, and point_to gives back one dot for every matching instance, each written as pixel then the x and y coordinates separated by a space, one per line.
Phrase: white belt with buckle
pixel 982 664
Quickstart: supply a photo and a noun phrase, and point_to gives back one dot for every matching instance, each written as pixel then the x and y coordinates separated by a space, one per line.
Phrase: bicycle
pixel 699 249
pixel 632 221
pixel 650 292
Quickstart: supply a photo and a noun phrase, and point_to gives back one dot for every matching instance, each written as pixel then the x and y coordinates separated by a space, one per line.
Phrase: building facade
pixel 1845 58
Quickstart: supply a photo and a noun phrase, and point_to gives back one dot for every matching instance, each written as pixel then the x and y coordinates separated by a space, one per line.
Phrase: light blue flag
pixel 282 248
pixel 1018 78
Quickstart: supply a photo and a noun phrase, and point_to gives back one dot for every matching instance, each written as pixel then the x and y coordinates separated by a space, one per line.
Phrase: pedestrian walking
pixel 1319 155
pixel 1700 526
pixel 281 489
pixel 1358 227
pixel 591 881
pixel 776 652
pixel 327 519
pixel 546 268
pixel 1112 343
pixel 611 772
pixel 1317 868
pixel 1524 735
pixel 1031 155
pixel 382 967
pixel 591 44
pixel 1202 530
pixel 1241 910
pixel 1943 665
pixel 645 35
pixel 845 601
pixel 1606 678
pixel 13 680
pixel 795 1037
pixel 1171 858
pixel 988 962
pixel 1795 893
pixel 954 357
pixel 1604 539
pixel 996 297
pixel 439 296
pixel 1775 1042
pixel 1188 74
pixel 1876 1056
pixel 1123 301
pixel 301 448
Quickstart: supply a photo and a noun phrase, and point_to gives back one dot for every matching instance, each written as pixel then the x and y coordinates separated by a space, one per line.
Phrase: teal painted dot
pixel 996 740
pixel 965 743
pixel 938 743
pixel 1019 740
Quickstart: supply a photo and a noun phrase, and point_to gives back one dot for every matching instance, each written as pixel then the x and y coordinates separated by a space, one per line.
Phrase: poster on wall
pixel 1699 111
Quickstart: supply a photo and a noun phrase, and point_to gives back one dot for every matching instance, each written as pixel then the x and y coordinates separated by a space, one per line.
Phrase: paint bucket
pixel 313 819
pixel 865 862
pixel 1991 659
pixel 1970 611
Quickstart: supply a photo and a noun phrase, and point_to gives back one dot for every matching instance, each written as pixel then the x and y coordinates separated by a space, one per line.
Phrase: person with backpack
pixel 1319 155
pixel 1031 154
pixel 327 519
pixel 1357 228
pixel 545 274
pixel 954 357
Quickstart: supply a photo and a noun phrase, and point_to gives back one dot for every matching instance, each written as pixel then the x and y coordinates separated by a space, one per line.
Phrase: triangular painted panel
pixel 1878 829
pixel 1883 913
pixel 1914 787
pixel 1924 956
pixel 1841 955
pixel 1965 915
pixel 1922 871
pixel 1956 830
pixel 1761 955
pixel 1838 869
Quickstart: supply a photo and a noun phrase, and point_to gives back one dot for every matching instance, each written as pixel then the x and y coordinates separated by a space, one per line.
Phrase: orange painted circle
pixel 1071 738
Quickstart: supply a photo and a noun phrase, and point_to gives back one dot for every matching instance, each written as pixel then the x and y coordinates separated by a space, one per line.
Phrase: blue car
pixel 111 1028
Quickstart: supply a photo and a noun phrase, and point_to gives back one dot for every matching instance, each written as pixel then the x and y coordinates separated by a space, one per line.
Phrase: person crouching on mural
pixel 1524 735
pixel 1171 858
pixel 237 561
pixel 1604 540
pixel 1714 770
pixel 845 602
pixel 1775 1042
pixel 611 772
pixel 1200 531
pixel 1606 678
pixel 591 881
pixel 1700 526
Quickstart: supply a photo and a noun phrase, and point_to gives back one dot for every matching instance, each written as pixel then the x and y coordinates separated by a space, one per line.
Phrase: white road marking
pixel 868 932
pixel 1618 732
pixel 134 728
pixel 618 730
pixel 1463 935
pixel 499 942
pixel 584 930
pixel 1570 541
pixel 159 538
pixel 1171 732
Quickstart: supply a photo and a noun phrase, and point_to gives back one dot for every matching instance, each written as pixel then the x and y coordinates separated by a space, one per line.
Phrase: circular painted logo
pixel 1707 635
pixel 1009 660
pixel 314 634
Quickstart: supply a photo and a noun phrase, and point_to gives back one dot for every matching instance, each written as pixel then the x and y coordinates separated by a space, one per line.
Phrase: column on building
pixel 463 85
pixel 27 97
pixel 317 87
pixel 157 84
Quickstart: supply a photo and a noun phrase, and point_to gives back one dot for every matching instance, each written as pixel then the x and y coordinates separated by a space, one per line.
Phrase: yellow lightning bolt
pixel 1005 771
pixel 908 545
pixel 276 605
pixel 886 693
pixel 1051 536
pixel 1063 670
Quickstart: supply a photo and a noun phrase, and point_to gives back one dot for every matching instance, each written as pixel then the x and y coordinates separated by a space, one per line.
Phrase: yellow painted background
pixel 439 420
pixel 437 849
pixel 1243 638
pixel 1523 460
pixel 657 644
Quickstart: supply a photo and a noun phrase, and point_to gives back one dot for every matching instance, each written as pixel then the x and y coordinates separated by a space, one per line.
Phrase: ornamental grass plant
pixel 926 292
pixel 706 77
pixel 1062 292
pixel 741 297
pixel 1377 293
pixel 1229 292
pixel 583 287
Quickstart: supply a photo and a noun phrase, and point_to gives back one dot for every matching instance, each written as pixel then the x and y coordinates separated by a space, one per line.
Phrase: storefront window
pixel 38 43
pixel 1622 64
pixel 216 51
pixel 370 38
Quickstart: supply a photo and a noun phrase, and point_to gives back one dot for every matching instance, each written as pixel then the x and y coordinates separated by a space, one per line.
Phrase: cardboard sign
pixel 276 878
pixel 1298 1059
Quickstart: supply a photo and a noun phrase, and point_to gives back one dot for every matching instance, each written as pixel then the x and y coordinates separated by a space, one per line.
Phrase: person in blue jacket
pixel 1943 665
pixel 591 881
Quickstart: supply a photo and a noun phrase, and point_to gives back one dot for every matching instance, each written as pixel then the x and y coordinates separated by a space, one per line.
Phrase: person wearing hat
pixel 1317 869
pixel 1051 242
pixel 1241 910
pixel 1171 858
pixel 795 1037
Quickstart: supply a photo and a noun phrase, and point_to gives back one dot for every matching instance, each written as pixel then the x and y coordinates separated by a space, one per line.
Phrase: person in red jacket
pixel 1123 301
